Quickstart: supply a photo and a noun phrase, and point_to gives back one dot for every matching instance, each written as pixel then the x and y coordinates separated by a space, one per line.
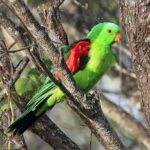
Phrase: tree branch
pixel 52 21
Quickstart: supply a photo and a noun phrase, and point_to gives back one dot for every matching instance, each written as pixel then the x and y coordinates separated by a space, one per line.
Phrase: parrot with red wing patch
pixel 88 60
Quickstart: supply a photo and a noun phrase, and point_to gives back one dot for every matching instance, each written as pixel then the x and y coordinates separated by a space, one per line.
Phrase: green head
pixel 105 32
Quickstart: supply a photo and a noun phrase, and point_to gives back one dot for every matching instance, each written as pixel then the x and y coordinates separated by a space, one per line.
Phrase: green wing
pixel 42 93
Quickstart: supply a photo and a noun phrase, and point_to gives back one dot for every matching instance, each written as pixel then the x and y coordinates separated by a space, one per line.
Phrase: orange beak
pixel 117 38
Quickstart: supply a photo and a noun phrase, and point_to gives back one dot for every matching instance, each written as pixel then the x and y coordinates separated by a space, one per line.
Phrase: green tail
pixel 35 108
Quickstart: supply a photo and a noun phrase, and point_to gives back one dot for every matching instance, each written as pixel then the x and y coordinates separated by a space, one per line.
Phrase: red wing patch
pixel 80 49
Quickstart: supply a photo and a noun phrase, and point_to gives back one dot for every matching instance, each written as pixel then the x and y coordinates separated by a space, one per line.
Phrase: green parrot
pixel 87 59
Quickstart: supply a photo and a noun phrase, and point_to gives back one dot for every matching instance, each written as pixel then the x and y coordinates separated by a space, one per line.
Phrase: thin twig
pixel 22 64
pixel 20 49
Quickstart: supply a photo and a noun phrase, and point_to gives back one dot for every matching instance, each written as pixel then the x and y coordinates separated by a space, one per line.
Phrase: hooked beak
pixel 117 38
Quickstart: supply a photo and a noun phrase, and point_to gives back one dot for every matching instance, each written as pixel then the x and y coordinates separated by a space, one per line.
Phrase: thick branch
pixel 51 17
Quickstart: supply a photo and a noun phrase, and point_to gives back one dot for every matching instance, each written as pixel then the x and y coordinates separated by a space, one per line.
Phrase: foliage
pixel 3 107
pixel 26 86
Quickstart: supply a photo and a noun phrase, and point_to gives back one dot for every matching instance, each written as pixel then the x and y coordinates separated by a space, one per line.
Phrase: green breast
pixel 100 61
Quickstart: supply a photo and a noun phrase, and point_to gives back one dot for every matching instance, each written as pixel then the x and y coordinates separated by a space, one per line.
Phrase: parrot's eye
pixel 109 31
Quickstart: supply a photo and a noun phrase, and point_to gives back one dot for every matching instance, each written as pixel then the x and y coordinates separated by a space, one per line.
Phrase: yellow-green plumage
pixel 101 59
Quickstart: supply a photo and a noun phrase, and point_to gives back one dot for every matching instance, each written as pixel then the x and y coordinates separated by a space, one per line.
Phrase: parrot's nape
pixel 87 60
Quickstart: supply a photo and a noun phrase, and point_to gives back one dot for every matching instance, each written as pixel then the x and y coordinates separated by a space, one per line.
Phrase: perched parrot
pixel 87 59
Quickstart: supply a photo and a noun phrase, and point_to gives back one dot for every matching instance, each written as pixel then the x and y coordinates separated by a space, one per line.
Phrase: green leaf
pixel 33 75
pixel 24 86
pixel 3 108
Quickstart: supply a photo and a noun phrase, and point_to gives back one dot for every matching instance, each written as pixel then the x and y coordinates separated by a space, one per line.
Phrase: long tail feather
pixel 24 121
pixel 35 108
pixel 24 124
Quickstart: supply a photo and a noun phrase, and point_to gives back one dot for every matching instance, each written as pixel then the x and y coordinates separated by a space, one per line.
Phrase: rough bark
pixel 135 19
pixel 52 21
